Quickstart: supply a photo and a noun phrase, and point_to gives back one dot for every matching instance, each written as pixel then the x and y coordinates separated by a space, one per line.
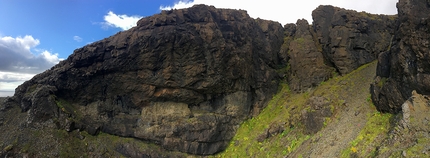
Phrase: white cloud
pixel 49 57
pixel 20 60
pixel 19 45
pixel 179 5
pixel 77 38
pixel 289 11
pixel 8 88
pixel 14 76
pixel 6 93
pixel 124 22
pixel 10 80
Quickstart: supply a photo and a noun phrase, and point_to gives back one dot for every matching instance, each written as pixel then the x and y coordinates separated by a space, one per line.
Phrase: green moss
pixel 392 17
pixel 420 148
pixel 370 16
pixel 370 137
pixel 245 143
pixel 68 108
pixel 31 89
pixel 300 40
pixel 391 42
pixel 286 107
pixel 8 148
pixel 285 48
pixel 284 70
pixel 382 82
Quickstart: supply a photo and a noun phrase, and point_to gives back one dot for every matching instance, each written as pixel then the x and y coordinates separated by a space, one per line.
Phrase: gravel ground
pixel 349 119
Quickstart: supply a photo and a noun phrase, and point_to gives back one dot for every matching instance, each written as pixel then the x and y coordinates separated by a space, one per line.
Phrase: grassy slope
pixel 355 129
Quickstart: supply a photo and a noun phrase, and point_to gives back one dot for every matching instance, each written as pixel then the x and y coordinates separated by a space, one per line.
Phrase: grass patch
pixel 370 137
pixel 286 107
pixel 382 82
pixel 420 149
pixel 285 46
pixel 68 108
pixel 31 89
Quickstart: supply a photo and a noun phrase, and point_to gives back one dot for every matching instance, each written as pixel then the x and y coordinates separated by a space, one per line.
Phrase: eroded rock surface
pixel 410 136
pixel 183 79
pixel 337 42
pixel 350 39
pixel 307 67
pixel 406 66
pixel 314 118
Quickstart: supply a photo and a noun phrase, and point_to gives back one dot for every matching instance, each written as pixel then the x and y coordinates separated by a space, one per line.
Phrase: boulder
pixel 313 118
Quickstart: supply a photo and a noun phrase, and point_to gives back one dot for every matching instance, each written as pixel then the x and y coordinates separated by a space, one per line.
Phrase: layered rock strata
pixel 185 79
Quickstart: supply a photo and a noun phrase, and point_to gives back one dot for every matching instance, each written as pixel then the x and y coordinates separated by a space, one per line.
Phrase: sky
pixel 36 35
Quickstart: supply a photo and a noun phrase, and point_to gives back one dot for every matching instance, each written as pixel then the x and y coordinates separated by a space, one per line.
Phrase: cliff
pixel 405 67
pixel 186 79
pixel 338 42
pixel 183 79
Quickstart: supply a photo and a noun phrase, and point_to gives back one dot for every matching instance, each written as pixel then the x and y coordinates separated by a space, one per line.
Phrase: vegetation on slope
pixel 370 137
pixel 245 143
pixel 355 128
pixel 349 100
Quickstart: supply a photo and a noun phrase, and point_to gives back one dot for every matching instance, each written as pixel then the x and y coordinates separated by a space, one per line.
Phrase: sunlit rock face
pixel 184 79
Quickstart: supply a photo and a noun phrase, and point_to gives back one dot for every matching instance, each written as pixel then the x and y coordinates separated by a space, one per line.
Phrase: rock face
pixel 406 66
pixel 313 119
pixel 411 130
pixel 338 42
pixel 350 39
pixel 307 67
pixel 183 79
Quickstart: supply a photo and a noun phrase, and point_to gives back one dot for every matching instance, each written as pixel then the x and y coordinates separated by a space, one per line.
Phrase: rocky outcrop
pixel 183 79
pixel 313 118
pixel 350 39
pixel 307 67
pixel 337 42
pixel 411 130
pixel 406 66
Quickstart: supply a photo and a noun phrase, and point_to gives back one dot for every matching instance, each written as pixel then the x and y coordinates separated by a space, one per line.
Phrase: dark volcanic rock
pixel 313 119
pixel 350 39
pixel 183 79
pixel 338 41
pixel 307 67
pixel 406 66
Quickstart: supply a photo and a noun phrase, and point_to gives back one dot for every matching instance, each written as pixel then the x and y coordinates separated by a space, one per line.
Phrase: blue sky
pixel 35 35
pixel 56 22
